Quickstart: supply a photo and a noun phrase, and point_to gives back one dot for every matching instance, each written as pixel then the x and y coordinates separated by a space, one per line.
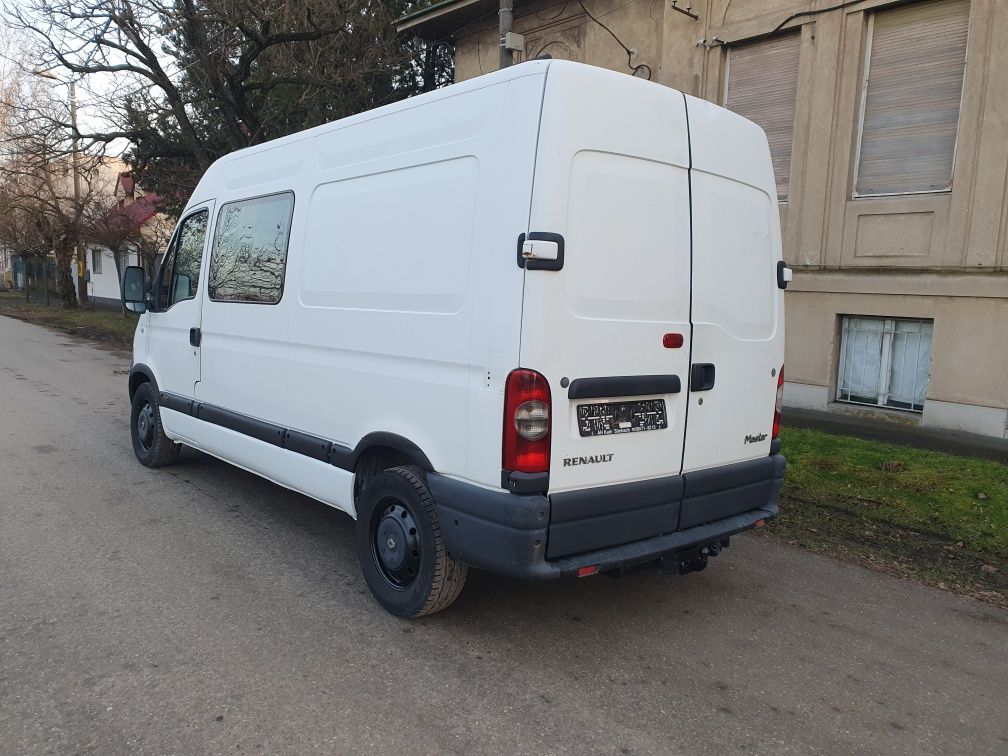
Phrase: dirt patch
pixel 836 531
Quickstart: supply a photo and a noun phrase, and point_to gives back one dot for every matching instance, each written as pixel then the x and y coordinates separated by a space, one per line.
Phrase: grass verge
pixel 936 517
pixel 111 328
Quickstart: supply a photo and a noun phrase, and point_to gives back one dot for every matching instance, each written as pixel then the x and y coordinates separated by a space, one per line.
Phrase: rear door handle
pixel 551 247
pixel 195 336
pixel 784 274
pixel 702 376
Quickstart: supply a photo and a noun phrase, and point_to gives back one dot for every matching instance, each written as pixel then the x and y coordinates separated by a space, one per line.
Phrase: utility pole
pixel 505 16
pixel 82 293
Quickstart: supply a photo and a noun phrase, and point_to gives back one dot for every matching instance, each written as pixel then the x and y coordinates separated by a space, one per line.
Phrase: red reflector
pixel 760 523
pixel 587 571
pixel 672 340
pixel 778 404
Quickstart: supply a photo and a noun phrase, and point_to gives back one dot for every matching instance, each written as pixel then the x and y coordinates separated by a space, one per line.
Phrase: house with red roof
pixel 135 230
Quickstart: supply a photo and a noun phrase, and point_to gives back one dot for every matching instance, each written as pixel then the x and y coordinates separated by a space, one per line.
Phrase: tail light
pixel 779 404
pixel 526 446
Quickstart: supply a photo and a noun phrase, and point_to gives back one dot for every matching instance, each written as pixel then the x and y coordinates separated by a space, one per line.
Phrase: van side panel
pixel 295 471
pixel 738 311
pixel 401 310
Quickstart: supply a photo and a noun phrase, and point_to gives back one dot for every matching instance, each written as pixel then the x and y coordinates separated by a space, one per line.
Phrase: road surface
pixel 199 609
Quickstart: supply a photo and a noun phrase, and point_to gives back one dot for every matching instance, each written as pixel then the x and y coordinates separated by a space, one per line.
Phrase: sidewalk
pixel 951 442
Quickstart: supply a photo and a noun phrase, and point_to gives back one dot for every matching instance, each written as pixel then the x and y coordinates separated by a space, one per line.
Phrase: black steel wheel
pixel 150 444
pixel 396 543
pixel 400 547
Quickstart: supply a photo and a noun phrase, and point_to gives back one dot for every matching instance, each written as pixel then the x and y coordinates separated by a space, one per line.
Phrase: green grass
pixel 112 328
pixel 937 517
pixel 957 498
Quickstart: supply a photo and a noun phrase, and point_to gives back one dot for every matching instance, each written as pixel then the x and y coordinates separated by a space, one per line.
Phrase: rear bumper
pixel 539 537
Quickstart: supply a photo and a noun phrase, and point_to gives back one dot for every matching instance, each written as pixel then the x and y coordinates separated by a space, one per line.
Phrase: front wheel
pixel 400 547
pixel 150 444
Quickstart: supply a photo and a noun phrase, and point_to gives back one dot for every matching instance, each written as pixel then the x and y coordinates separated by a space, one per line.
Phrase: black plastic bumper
pixel 532 537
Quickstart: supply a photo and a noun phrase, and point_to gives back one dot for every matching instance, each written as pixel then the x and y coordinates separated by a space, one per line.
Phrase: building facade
pixel 888 128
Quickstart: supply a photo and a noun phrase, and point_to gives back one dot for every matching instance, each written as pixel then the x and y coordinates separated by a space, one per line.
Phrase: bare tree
pixel 46 184
pixel 21 233
pixel 195 79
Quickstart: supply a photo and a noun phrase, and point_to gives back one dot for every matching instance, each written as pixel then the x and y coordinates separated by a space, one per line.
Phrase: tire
pixel 400 547
pixel 150 444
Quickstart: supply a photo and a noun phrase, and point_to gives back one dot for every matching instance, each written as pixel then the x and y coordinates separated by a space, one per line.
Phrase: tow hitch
pixel 672 563
pixel 686 562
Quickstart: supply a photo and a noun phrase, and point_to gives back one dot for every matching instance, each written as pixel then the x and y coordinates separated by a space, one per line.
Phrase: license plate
pixel 605 419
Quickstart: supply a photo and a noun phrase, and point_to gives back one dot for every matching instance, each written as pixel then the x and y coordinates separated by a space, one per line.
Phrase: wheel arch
pixel 139 374
pixel 381 450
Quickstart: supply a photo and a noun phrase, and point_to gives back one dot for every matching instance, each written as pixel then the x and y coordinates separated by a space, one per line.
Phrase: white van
pixel 531 323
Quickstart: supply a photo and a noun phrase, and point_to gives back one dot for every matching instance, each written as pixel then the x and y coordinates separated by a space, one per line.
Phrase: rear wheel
pixel 150 444
pixel 400 547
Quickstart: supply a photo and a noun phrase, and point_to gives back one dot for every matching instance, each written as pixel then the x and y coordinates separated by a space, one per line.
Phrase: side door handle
pixel 701 376
pixel 195 336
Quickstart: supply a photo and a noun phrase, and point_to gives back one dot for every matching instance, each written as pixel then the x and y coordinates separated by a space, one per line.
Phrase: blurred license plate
pixel 605 419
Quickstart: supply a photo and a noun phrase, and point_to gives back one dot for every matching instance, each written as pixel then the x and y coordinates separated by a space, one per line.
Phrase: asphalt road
pixel 200 609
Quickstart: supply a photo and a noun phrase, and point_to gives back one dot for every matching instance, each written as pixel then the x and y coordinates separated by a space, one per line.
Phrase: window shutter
pixel 762 85
pixel 912 95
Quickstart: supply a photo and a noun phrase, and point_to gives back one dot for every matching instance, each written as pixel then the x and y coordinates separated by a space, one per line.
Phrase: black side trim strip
pixel 176 402
pixel 301 443
pixel 625 385
pixel 310 446
pixel 247 426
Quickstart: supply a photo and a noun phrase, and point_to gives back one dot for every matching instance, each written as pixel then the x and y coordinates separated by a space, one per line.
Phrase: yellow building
pixel 888 126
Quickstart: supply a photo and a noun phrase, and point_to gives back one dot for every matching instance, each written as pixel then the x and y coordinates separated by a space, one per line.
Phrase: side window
pixel 187 256
pixel 250 250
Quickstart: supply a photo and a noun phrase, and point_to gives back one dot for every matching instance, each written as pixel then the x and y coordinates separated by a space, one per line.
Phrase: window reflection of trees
pixel 190 251
pixel 250 252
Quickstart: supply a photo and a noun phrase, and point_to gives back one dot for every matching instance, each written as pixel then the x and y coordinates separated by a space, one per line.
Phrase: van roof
pixel 528 68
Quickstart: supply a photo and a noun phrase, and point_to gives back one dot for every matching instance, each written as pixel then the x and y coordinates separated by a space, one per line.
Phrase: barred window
pixel 885 362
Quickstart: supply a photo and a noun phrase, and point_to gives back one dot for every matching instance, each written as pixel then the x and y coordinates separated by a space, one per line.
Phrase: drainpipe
pixel 504 19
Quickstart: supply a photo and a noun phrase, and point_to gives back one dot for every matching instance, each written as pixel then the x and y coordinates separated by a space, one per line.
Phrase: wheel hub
pixel 395 542
pixel 145 425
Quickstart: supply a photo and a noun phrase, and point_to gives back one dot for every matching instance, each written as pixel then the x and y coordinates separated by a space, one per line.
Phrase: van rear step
pixel 674 562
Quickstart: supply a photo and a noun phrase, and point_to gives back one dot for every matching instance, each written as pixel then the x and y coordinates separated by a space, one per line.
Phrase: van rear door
pixel 738 309
pixel 610 329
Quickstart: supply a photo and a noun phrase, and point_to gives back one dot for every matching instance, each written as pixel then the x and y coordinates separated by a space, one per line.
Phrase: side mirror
pixel 134 289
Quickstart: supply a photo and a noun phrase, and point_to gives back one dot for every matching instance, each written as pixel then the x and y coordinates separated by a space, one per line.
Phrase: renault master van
pixel 531 323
